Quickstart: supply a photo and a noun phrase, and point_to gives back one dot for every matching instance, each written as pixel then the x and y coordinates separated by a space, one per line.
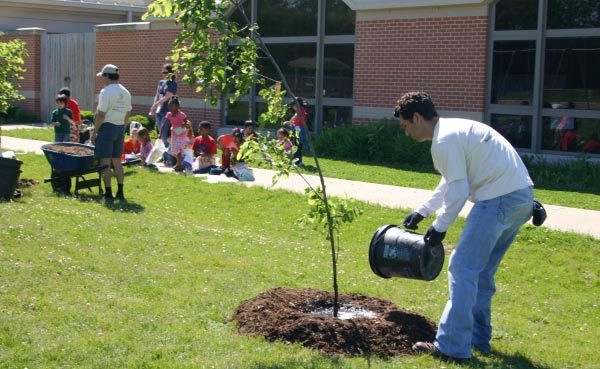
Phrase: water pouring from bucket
pixel 395 252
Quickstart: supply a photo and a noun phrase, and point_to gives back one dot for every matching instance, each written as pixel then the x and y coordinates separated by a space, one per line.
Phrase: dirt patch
pixel 26 182
pixel 72 150
pixel 283 314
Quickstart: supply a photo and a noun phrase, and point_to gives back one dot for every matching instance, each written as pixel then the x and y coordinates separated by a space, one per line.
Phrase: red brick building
pixel 527 67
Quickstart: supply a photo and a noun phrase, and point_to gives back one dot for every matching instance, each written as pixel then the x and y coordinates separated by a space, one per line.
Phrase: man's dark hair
pixel 205 124
pixel 65 91
pixel 62 98
pixel 111 76
pixel 415 102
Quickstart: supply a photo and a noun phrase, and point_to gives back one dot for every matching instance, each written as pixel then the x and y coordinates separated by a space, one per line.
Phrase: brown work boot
pixel 429 348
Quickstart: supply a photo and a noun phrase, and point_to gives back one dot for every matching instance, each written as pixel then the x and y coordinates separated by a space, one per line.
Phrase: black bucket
pixel 395 252
pixel 10 170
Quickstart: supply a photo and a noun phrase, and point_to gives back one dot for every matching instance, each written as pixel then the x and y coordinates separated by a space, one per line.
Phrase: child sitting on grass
pixel 145 144
pixel 205 149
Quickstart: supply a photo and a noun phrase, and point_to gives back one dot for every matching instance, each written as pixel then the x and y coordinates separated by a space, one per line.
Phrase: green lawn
pixel 152 284
pixel 390 175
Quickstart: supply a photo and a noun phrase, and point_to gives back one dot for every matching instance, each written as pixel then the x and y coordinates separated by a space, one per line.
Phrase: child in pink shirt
pixel 179 132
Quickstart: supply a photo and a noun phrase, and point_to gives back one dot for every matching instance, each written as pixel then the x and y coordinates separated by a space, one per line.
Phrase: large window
pixel 298 64
pixel 515 128
pixel 513 70
pixel 571 74
pixel 338 70
pixel 317 60
pixel 573 14
pixel 516 14
pixel 278 18
pixel 544 84
pixel 339 19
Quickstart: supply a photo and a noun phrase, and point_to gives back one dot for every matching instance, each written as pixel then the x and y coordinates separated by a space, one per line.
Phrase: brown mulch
pixel 281 314
pixel 72 150
pixel 26 182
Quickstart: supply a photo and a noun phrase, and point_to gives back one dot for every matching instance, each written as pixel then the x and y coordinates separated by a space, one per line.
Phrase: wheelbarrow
pixel 72 160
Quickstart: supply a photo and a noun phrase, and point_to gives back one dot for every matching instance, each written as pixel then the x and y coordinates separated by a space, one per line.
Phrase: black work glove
pixel 433 237
pixel 412 220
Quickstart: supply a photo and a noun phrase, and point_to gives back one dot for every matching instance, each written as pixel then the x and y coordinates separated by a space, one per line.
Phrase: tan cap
pixel 108 69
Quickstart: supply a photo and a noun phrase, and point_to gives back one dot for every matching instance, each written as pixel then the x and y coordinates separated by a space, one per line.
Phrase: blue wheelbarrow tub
pixel 65 162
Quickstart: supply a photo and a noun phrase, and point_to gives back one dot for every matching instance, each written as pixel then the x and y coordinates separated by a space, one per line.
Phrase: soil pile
pixel 27 182
pixel 283 314
pixel 72 150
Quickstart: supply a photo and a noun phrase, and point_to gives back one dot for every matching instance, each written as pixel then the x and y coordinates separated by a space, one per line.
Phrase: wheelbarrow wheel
pixel 61 184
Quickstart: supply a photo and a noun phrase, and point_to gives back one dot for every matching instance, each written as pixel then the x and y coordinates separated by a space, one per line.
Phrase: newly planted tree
pixel 218 57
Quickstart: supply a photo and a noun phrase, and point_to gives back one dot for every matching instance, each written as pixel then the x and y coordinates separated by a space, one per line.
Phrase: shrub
pixel 15 114
pixel 378 142
pixel 87 114
pixel 574 174
pixel 146 121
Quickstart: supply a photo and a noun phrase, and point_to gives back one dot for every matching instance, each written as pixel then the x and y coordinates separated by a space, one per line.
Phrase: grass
pixel 390 175
pixel 40 134
pixel 153 283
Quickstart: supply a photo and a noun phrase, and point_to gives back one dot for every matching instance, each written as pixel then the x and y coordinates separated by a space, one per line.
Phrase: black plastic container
pixel 395 252
pixel 10 170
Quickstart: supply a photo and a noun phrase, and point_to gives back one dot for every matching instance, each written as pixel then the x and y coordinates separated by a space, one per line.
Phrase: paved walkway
pixel 559 217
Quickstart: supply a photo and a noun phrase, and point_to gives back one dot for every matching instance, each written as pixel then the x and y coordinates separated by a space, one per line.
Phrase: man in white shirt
pixel 114 108
pixel 478 164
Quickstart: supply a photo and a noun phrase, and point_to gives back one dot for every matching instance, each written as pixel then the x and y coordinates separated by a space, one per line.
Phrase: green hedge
pixel 87 114
pixel 379 142
pixel 145 120
pixel 15 115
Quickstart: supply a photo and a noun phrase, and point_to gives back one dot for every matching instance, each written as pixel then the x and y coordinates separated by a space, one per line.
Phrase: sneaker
pixel 119 196
pixel 109 197
pixel 429 348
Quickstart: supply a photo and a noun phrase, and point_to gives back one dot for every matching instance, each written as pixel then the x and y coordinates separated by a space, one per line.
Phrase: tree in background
pixel 12 58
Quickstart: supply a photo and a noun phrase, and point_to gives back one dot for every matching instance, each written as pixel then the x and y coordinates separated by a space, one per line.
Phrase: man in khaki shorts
pixel 114 108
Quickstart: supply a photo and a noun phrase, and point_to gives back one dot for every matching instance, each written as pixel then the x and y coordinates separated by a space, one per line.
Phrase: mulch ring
pixel 283 314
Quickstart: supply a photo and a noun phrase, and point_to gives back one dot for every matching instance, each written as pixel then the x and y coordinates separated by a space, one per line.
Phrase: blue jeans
pixel 163 131
pixel 62 137
pixel 491 227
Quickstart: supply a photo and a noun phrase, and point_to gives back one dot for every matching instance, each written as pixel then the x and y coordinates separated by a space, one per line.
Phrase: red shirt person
pixel 73 105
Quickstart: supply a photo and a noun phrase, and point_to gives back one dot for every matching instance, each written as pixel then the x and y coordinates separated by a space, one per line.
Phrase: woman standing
pixel 167 87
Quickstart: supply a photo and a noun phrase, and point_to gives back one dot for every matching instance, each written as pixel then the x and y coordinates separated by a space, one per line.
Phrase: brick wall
pixel 443 56
pixel 30 84
pixel 140 54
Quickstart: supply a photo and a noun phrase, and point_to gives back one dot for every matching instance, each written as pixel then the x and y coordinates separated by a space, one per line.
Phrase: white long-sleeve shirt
pixel 476 163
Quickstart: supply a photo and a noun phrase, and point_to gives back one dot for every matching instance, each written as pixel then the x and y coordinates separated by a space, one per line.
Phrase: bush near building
pixel 385 142
pixel 379 142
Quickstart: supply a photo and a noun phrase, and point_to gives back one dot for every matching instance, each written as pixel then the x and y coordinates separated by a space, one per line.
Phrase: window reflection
pixel 278 18
pixel 335 116
pixel 338 71
pixel 513 71
pixel 339 18
pixel 568 134
pixel 571 78
pixel 298 64
pixel 573 14
pixel 515 128
pixel 516 14
pixel 237 113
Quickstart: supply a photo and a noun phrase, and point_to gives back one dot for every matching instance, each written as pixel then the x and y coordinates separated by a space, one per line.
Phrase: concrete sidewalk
pixel 559 217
